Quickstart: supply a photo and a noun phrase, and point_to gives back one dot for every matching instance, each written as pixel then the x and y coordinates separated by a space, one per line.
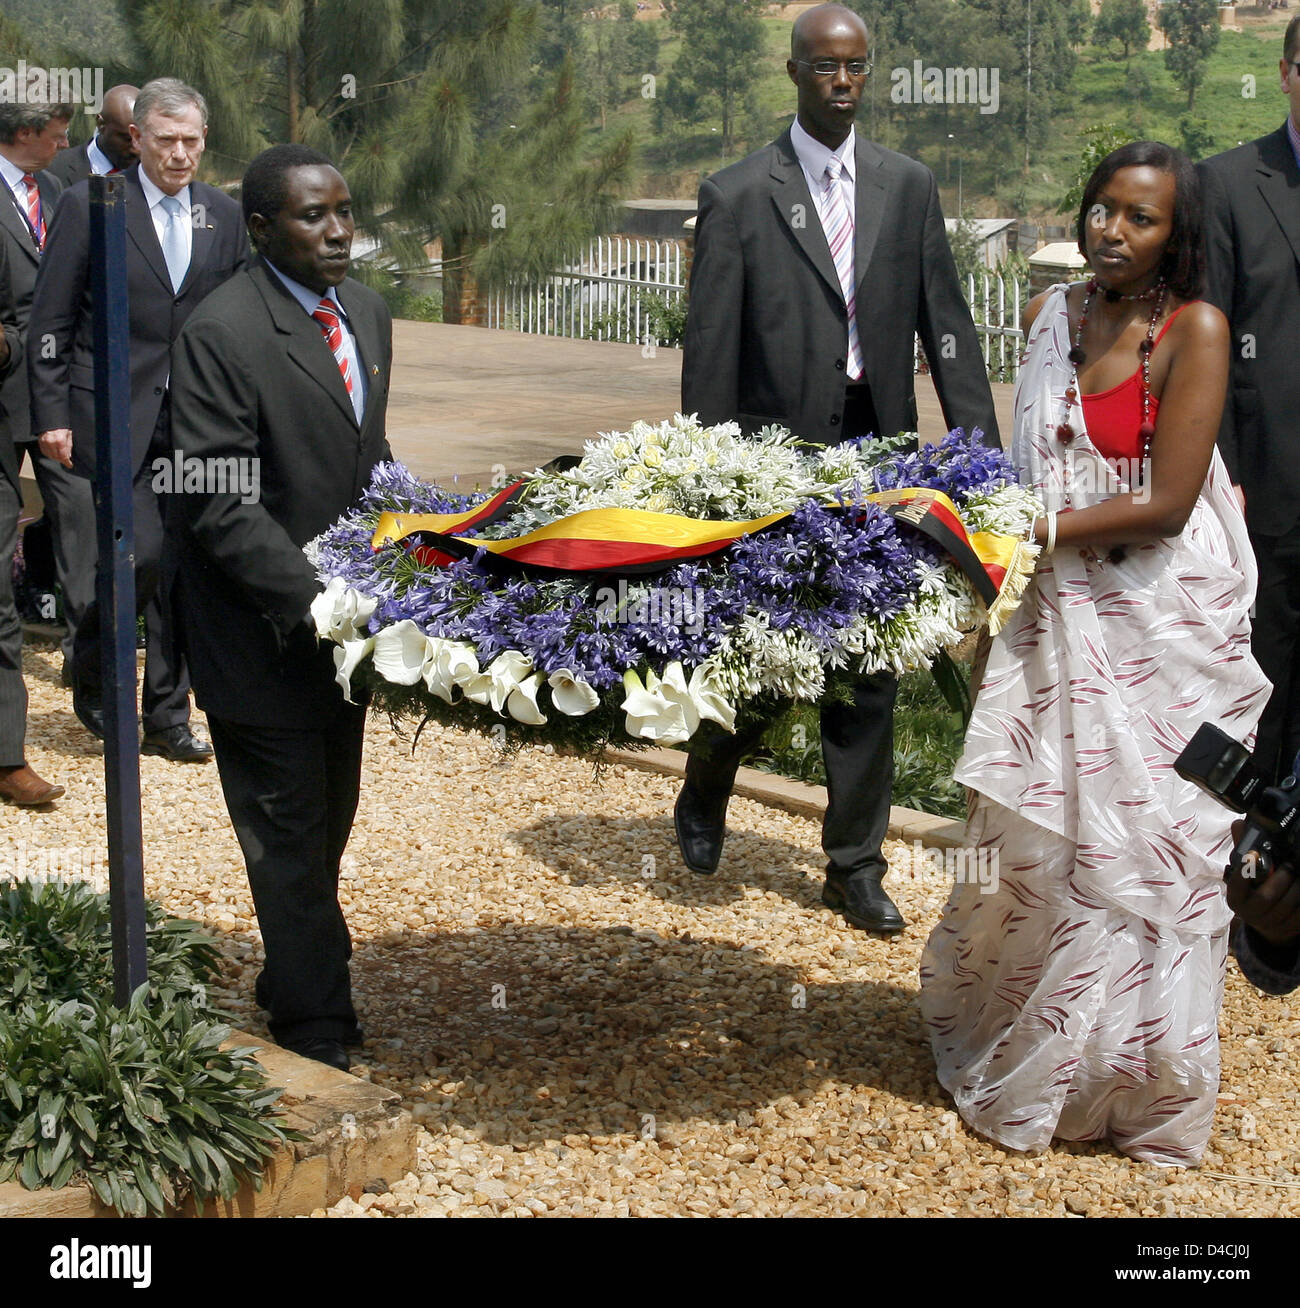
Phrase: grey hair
pixel 34 114
pixel 168 96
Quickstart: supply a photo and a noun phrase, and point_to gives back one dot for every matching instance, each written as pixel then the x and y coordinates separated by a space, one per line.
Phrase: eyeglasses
pixel 829 67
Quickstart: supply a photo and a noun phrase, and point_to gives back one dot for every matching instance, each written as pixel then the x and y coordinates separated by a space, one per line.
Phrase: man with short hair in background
pixel 110 150
pixel 30 135
pixel 184 238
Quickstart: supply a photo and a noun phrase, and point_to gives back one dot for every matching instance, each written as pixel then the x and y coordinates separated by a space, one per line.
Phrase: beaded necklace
pixel 1146 431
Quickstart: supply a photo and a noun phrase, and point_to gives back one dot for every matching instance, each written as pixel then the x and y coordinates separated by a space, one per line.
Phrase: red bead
pixel 1145 433
pixel 1146 346
pixel 1071 394
pixel 1076 356
pixel 1065 433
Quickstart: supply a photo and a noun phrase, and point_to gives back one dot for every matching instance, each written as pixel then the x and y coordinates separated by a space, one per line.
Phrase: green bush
pixel 142 1104
pixel 55 943
pixel 927 741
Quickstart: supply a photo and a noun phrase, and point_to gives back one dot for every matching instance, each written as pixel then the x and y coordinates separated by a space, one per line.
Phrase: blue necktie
pixel 174 251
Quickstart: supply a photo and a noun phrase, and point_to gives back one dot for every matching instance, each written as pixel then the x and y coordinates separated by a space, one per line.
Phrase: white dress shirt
pixel 160 217
pixel 813 157
pixel 100 164
pixel 13 179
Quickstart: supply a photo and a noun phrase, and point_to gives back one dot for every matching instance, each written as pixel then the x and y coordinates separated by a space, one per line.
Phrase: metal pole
pixel 115 582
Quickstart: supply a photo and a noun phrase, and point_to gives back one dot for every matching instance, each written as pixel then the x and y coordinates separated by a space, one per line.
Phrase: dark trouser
pixel 70 506
pixel 292 796
pixel 165 698
pixel 858 747
pixel 1273 642
pixel 13 691
pixel 857 738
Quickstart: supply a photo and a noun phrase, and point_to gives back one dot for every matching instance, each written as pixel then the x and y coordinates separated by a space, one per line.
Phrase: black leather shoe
pixel 862 902
pixel 89 709
pixel 701 828
pixel 178 744
pixel 321 1049
pixel 262 993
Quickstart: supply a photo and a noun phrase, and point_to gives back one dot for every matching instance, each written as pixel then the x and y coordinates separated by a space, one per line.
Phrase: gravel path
pixel 582 1026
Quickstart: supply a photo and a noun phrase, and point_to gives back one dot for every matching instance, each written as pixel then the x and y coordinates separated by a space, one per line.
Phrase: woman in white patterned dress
pixel 1080 999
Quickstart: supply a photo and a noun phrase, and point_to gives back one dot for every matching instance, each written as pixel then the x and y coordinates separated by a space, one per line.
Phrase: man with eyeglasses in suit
pixel 817 261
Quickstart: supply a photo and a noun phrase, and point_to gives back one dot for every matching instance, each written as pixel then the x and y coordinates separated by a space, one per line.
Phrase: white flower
pixel 401 652
pixel 570 694
pixel 670 709
pixel 706 694
pixel 506 686
pixel 521 703
pixel 655 711
pixel 341 613
pixel 451 665
pixel 346 657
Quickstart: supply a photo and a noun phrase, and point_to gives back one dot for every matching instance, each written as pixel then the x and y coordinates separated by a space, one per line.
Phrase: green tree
pixel 1196 137
pixel 1124 21
pixel 1192 27
pixel 1035 53
pixel 1101 140
pixel 426 107
pixel 718 64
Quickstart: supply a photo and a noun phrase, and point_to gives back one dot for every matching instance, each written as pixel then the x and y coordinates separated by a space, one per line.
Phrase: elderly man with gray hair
pixel 184 239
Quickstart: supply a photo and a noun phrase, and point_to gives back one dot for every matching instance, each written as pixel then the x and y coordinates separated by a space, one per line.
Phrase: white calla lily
pixel 570 694
pixel 346 657
pixel 341 613
pixel 521 703
pixel 658 710
pixel 401 652
pixel 504 677
pixel 451 666
pixel 706 694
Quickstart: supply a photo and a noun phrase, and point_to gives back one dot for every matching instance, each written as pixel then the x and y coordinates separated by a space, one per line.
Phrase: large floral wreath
pixel 675 574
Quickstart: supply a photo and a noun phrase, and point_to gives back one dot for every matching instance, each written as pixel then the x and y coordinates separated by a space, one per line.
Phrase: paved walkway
pixel 466 398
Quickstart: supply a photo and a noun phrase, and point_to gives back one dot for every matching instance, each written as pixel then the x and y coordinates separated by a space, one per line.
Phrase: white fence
pixel 604 297
pixel 626 288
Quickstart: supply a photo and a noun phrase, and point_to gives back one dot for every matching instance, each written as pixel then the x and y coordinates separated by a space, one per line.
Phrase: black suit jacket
pixel 1252 229
pixel 72 165
pixel 254 379
pixel 14 363
pixel 767 329
pixel 24 261
pixel 62 379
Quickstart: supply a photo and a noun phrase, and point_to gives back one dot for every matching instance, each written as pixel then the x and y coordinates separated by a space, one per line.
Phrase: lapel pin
pixel 374 370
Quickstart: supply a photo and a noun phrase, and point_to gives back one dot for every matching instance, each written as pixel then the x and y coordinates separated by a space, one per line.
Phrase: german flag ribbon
pixel 634 541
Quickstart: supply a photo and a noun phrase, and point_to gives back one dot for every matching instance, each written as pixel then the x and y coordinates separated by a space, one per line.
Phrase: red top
pixel 1114 416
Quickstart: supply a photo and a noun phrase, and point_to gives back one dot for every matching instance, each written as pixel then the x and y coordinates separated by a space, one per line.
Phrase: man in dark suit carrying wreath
pixel 285 370
pixel 818 259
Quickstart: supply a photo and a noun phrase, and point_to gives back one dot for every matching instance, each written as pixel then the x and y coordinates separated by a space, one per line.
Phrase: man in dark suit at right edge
pixel 1252 237
pixel 769 339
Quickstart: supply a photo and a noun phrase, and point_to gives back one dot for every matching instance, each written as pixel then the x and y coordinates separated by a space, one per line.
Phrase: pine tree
pixel 424 105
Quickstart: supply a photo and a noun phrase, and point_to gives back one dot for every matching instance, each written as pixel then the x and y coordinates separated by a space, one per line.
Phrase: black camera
pixel 1223 767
